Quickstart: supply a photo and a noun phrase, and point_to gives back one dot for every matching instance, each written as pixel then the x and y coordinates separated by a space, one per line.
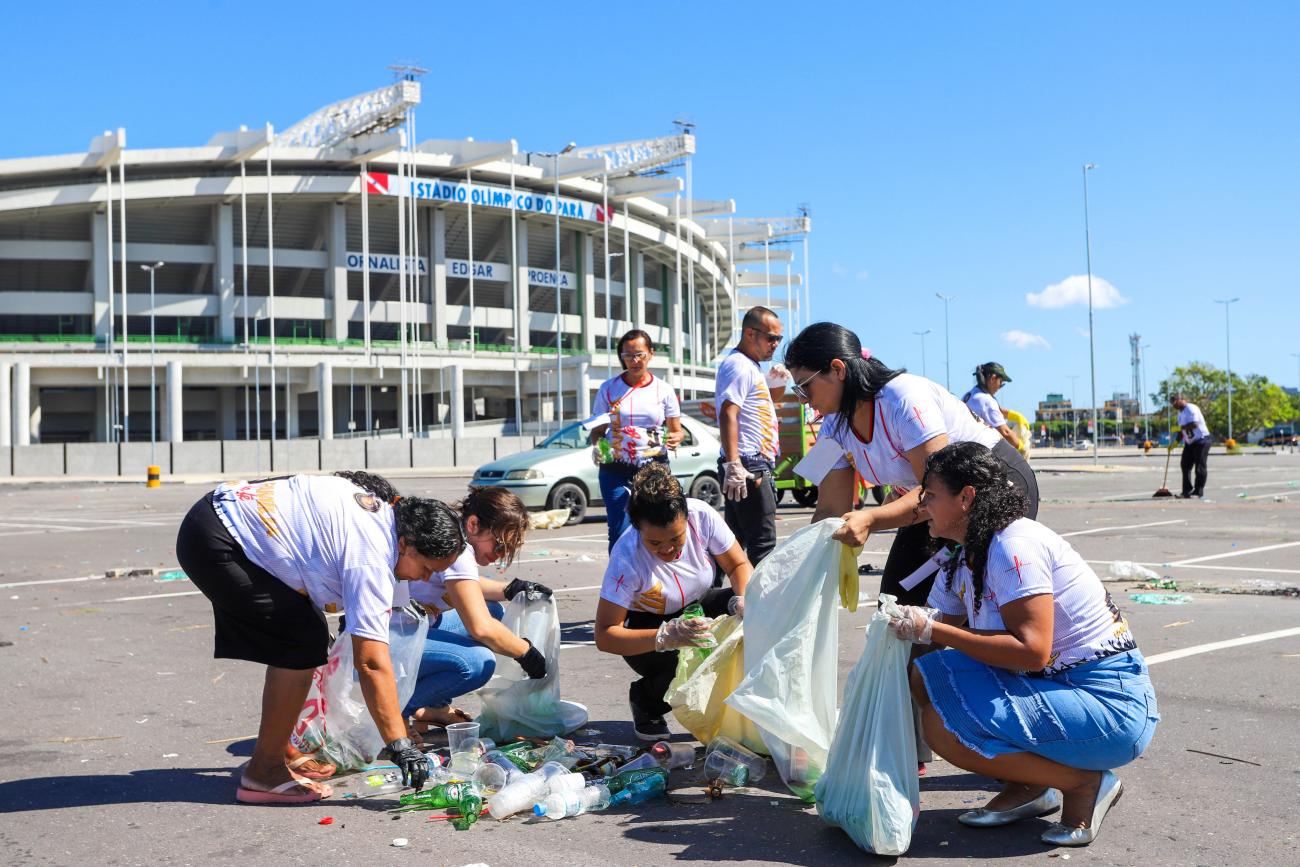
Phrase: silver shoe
pixel 1107 795
pixel 1048 802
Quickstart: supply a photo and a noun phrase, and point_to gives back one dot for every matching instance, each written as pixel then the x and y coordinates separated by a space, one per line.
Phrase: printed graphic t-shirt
pixel 633 411
pixel 741 381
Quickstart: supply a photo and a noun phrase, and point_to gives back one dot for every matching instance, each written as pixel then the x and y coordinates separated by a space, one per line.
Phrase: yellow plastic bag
pixel 1020 425
pixel 700 688
pixel 849 576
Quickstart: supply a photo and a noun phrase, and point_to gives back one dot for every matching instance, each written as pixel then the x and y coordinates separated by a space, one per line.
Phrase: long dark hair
pixel 821 343
pixel 433 527
pixel 997 504
pixel 499 512
pixel 656 496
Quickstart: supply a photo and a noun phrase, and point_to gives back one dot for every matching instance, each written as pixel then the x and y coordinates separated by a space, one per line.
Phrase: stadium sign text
pixel 485 195
pixel 385 264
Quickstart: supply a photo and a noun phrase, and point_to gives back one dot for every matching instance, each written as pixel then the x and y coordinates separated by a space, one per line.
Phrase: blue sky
pixel 939 145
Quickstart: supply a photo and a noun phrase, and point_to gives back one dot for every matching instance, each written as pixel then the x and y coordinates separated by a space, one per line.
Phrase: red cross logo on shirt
pixel 1020 579
pixel 618 585
pixel 916 410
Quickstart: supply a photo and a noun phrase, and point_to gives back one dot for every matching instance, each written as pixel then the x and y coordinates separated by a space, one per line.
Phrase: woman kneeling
pixel 1042 686
pixel 663 563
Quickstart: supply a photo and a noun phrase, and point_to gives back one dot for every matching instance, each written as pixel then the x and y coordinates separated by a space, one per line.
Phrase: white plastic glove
pixel 914 623
pixel 735 482
pixel 685 632
pixel 596 457
pixel 777 376
pixel 736 607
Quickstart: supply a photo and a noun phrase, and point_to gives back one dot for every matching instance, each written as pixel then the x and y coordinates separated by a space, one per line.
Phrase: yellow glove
pixel 849 576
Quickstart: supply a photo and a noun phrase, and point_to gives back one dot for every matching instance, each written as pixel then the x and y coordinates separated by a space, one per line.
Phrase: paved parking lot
pixel 119 732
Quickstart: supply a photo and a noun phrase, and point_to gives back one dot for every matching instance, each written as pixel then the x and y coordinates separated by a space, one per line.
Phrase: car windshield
pixel 568 437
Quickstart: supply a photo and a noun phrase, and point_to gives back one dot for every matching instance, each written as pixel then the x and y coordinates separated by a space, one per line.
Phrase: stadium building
pixel 344 278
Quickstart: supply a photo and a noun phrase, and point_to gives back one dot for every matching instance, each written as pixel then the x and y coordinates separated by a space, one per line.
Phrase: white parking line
pixel 52 581
pixel 1124 527
pixel 1215 568
pixel 1259 550
pixel 1220 645
pixel 154 596
pixel 1262 485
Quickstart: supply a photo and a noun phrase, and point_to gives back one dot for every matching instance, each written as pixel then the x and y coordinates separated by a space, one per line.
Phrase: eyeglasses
pixel 798 390
pixel 634 356
pixel 767 335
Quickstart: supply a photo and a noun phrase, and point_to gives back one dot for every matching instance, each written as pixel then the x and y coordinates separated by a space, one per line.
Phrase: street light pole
pixel 1146 418
pixel 921 334
pixel 153 366
pixel 1074 409
pixel 947 359
pixel 1092 340
pixel 1227 333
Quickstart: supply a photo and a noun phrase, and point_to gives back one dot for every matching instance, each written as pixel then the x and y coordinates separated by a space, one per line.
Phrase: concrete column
pixel 673 297
pixel 290 409
pixel 584 389
pixel 223 274
pixel 336 274
pixel 325 399
pixel 587 288
pixel 101 423
pixel 456 387
pixel 229 398
pixel 22 404
pixel 175 409
pixel 438 265
pixel 101 310
pixel 637 311
pixel 6 405
pixel 519 268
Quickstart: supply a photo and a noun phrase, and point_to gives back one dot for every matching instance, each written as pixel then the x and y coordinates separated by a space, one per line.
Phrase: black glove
pixel 517 586
pixel 411 762
pixel 532 662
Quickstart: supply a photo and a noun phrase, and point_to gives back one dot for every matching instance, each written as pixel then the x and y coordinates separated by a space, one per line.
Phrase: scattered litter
pixel 328 820
pixel 1230 758
pixel 171 755
pixel 22 628
pixel 164 673
pixel 141 722
pixel 943 842
pixel 552 519
pixel 218 677
pixel 1127 570
pixel 81 740
pixel 399 842
pixel 585 558
pixel 866 569
pixel 173 575
pixel 13 597
pixel 1242 496
pixel 1177 623
pixel 1281 498
pixel 542 553
pixel 231 740
pixel 1160 598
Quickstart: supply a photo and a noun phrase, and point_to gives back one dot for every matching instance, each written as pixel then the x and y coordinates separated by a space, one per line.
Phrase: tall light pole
pixel 609 288
pixel 1227 333
pixel 1074 408
pixel 921 334
pixel 559 309
pixel 947 354
pixel 1146 417
pixel 153 366
pixel 1092 340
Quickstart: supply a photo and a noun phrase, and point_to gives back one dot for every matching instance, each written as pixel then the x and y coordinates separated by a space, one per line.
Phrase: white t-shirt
pixel 985 408
pixel 324 537
pixel 1028 559
pixel 639 581
pixel 741 381
pixel 633 411
pixel 909 410
pixel 1191 414
pixel 433 593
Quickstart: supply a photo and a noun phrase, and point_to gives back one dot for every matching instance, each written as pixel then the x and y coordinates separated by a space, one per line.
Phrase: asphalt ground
pixel 120 735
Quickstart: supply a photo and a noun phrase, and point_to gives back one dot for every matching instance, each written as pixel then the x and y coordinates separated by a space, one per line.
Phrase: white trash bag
pixel 515 704
pixel 335 724
pixel 791 643
pixel 870 787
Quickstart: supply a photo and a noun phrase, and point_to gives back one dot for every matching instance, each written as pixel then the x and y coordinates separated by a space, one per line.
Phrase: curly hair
pixel 375 484
pixel 656 497
pixel 501 513
pixel 430 525
pixel 821 343
pixel 997 504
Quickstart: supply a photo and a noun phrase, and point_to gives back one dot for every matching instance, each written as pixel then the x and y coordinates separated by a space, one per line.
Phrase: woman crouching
pixel 1042 686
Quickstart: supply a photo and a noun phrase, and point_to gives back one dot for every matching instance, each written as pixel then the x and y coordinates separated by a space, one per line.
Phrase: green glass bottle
pixel 438 797
pixel 691 612
pixel 621 781
pixel 470 809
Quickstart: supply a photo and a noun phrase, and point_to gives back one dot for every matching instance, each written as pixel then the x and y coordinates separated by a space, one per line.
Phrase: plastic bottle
pixel 692 611
pixel 622 781
pixel 605 450
pixel 562 751
pixel 671 756
pixel 641 790
pixel 383 781
pixel 528 789
pixel 731 763
pixel 562 804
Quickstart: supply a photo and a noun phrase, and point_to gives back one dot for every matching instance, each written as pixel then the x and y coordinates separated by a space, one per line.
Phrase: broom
pixel 1163 490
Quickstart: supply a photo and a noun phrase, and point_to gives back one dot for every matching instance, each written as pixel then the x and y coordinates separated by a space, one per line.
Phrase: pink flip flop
pixel 280 795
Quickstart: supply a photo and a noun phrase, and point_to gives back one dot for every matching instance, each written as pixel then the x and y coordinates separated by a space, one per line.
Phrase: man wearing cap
pixel 989 379
pixel 1196 446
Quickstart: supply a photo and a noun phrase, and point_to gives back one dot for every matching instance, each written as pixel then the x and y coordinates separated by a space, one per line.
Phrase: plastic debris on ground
pixel 551 519
pixel 1127 570
pixel 173 575
pixel 1160 598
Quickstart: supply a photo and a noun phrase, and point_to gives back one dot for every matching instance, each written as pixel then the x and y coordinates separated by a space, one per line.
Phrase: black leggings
pixel 657 669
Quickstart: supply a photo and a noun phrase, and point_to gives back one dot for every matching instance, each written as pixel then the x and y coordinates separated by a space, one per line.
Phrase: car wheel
pixel 806 496
pixel 780 494
pixel 706 488
pixel 568 495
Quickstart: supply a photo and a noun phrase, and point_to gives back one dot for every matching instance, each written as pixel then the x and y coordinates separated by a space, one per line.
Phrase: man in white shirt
pixel 1196 446
pixel 983 404
pixel 746 409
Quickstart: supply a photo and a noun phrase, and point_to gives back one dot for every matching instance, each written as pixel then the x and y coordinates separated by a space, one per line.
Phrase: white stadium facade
pixel 343 278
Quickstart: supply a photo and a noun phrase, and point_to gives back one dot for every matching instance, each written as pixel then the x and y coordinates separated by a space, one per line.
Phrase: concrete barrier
pixel 6 462
pixel 195 457
pixel 134 460
pixel 347 454
pixel 388 454
pixel 41 459
pixel 474 452
pixel 295 456
pixel 432 453
pixel 91 459
pixel 245 459
pixel 513 445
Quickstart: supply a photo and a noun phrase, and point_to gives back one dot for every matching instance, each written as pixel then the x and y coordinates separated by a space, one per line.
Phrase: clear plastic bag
pixel 701 686
pixel 791 644
pixel 513 703
pixel 870 787
pixel 335 723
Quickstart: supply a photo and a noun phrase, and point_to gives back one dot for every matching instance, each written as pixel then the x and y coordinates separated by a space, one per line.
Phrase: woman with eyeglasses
pixel 640 406
pixel 466 630
pixel 888 423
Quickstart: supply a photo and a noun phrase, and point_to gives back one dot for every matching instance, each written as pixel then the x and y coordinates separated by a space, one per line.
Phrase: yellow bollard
pixel 154 478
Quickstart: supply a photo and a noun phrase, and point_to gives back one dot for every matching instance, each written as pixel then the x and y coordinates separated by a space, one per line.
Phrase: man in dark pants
pixel 747 421
pixel 1196 446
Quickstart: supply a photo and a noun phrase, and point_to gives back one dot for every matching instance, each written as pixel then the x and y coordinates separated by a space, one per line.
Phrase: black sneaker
pixel 646 726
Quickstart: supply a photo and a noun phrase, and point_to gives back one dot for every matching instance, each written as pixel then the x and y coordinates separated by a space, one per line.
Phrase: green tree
pixel 1256 402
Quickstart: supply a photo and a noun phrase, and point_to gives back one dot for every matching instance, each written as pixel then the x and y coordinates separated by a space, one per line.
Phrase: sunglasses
pixel 768 336
pixel 798 389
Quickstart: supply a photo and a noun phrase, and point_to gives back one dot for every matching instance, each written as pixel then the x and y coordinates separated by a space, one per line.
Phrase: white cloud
pixel 839 270
pixel 1024 340
pixel 1082 332
pixel 1074 290
pixel 863 275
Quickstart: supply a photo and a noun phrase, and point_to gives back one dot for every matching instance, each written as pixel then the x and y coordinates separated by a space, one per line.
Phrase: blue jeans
pixel 453 663
pixel 615 490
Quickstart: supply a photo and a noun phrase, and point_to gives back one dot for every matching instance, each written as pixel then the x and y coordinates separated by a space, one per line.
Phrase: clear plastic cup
pixel 459 733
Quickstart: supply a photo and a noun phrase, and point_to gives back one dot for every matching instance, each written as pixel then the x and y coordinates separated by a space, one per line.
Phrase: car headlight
pixel 524 474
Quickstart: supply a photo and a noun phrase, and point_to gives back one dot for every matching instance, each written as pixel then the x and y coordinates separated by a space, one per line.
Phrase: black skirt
pixel 258 617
